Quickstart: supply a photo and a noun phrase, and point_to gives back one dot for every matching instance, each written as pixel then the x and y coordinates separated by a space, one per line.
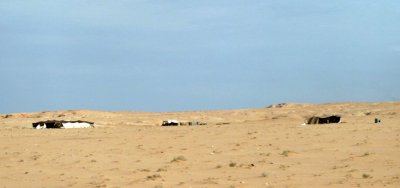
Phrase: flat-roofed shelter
pixel 62 124
pixel 323 119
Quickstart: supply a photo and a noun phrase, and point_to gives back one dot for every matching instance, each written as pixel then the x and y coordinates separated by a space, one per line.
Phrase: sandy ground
pixel 266 147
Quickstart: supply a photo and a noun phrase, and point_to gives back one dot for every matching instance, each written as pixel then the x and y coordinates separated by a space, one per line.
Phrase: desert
pixel 199 94
pixel 261 147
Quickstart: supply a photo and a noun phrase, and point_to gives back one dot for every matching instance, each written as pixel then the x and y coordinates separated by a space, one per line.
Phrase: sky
pixel 157 55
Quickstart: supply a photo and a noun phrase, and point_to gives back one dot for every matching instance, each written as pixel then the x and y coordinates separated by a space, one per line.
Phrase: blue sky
pixel 149 55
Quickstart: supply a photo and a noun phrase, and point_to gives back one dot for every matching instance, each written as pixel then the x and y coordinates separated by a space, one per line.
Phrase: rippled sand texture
pixel 266 147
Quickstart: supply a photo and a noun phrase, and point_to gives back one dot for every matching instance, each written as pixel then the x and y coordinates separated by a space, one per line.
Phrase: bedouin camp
pixel 179 123
pixel 323 119
pixel 62 124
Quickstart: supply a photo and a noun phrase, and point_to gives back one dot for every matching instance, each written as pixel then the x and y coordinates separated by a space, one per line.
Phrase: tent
pixel 323 119
pixel 179 123
pixel 171 122
pixel 61 124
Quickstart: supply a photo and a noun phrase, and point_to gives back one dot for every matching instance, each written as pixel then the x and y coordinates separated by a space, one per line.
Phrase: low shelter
pixel 179 123
pixel 62 124
pixel 171 123
pixel 323 119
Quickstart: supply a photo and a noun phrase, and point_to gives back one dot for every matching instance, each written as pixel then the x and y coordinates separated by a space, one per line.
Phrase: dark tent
pixel 323 120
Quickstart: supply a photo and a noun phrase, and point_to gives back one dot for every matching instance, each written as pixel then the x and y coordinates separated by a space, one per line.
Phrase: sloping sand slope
pixel 265 147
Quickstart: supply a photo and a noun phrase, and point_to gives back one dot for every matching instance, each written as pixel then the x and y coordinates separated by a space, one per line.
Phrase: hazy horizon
pixel 196 110
pixel 186 56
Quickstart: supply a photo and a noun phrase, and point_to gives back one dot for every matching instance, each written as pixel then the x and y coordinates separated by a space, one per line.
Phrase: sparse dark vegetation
pixel 286 153
pixel 162 169
pixel 153 177
pixel 365 154
pixel 264 174
pixel 366 176
pixel 179 159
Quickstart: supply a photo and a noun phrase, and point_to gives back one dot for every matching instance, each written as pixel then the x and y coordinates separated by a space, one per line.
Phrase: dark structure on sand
pixel 323 119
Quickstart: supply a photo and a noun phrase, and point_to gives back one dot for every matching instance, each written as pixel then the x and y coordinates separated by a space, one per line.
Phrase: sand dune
pixel 265 147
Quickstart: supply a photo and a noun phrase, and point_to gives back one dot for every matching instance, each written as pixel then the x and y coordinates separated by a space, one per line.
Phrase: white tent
pixel 61 124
